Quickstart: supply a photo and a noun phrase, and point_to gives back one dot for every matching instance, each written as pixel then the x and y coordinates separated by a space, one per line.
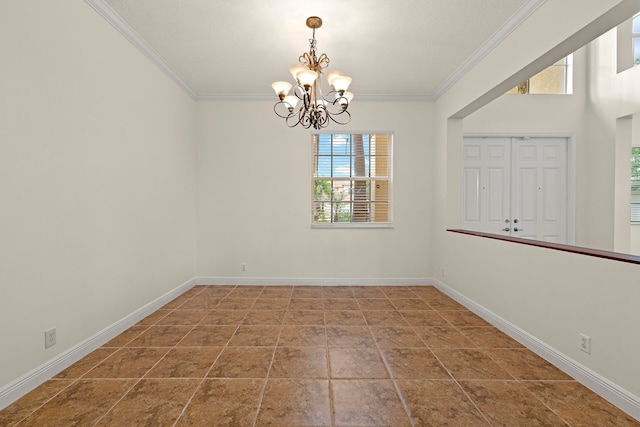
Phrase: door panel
pixel 519 184
pixel 486 184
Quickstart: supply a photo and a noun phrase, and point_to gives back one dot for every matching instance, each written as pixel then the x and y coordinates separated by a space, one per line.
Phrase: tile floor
pixel 312 356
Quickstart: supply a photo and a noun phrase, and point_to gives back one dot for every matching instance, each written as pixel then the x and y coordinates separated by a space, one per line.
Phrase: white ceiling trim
pixel 518 18
pixel 273 98
pixel 130 34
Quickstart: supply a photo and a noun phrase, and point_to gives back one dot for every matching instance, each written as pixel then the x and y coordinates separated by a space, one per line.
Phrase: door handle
pixel 518 229
pixel 507 229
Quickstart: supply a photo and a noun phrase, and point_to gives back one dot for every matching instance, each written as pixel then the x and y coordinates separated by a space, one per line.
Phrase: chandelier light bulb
pixel 291 101
pixel 297 69
pixel 307 77
pixel 332 75
pixel 341 83
pixel 348 96
pixel 281 89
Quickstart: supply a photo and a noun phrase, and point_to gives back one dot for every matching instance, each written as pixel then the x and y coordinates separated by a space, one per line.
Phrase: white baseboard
pixel 23 385
pixel 311 281
pixel 615 394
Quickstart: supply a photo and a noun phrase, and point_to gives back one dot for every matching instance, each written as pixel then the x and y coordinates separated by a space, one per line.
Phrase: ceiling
pixel 391 48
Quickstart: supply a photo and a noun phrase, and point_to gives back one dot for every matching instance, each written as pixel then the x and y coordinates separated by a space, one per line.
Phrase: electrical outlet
pixel 50 338
pixel 244 266
pixel 585 343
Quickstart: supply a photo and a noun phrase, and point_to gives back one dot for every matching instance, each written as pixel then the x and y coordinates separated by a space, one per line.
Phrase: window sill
pixel 615 256
pixel 343 225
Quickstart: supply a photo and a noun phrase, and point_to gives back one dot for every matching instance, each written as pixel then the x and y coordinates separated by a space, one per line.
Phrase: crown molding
pixel 273 98
pixel 514 22
pixel 134 38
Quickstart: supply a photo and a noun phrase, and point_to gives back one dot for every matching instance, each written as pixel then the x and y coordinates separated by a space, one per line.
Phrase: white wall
pixel 553 295
pixel 254 196
pixel 97 180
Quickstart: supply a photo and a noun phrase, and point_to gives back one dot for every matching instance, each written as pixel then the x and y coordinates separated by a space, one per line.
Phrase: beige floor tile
pixel 263 317
pixel 224 402
pixel 127 336
pixel 128 362
pixel 312 355
pixel 375 304
pixel 231 303
pixel 523 364
pixel 439 403
pixel 306 304
pixel 295 402
pixel 396 336
pixel 414 363
pixel 155 316
pixel 151 402
pixel 185 362
pixel 489 337
pixel 207 335
pixel 508 403
pixel 87 363
pixel 299 362
pixel 31 401
pixel 183 316
pixel 302 336
pixel 349 336
pixel 470 364
pixel 242 362
pixel 255 336
pixel 304 317
pixel 337 292
pixel 160 336
pixel 350 363
pixel 82 403
pixel 410 304
pixel 423 318
pixel 367 403
pixel 341 304
pixel 277 292
pixel 443 337
pixel 578 405
pixel 271 304
pixel 344 317
pixel 223 317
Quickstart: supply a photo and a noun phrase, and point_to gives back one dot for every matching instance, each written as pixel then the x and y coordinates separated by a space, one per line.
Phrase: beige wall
pixel 97 180
pixel 552 295
pixel 254 196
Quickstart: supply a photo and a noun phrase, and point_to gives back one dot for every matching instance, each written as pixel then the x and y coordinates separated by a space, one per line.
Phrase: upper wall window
pixel 556 79
pixel 635 184
pixel 635 36
pixel 351 179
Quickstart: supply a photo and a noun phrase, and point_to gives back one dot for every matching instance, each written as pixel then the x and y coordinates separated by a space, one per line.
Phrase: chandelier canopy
pixel 308 106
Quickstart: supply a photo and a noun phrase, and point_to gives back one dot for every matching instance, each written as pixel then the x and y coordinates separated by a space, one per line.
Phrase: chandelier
pixel 308 106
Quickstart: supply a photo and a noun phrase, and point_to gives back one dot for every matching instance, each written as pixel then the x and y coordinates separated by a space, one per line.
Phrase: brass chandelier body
pixel 308 106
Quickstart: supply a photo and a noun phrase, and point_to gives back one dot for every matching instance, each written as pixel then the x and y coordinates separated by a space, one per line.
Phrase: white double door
pixel 516 187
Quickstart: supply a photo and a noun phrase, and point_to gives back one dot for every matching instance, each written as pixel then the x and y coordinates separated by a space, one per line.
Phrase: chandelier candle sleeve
pixel 317 109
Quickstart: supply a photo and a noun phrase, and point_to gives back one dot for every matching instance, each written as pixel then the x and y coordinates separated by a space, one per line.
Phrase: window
pixel 635 184
pixel 352 179
pixel 556 79
pixel 635 36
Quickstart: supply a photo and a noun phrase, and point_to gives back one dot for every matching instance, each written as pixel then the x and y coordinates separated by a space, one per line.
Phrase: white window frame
pixel 634 36
pixel 568 79
pixel 388 179
pixel 635 200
